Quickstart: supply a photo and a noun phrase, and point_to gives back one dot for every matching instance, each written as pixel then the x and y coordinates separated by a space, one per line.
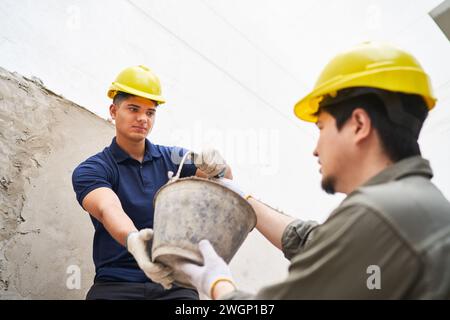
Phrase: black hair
pixel 398 136
pixel 120 97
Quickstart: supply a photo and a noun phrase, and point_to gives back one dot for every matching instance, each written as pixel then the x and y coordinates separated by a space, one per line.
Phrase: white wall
pixel 231 72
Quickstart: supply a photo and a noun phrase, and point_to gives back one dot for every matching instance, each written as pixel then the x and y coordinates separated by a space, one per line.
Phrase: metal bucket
pixel 190 209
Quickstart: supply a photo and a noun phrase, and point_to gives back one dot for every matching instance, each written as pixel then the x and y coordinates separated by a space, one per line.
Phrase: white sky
pixel 231 72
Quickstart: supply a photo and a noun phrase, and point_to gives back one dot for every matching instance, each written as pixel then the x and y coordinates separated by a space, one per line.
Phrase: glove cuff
pixel 213 285
pixel 128 237
pixel 221 174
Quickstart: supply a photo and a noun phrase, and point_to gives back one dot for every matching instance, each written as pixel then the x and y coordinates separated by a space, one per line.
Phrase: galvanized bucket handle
pixel 177 176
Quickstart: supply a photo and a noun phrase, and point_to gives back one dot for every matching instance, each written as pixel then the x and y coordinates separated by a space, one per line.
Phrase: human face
pixel 332 151
pixel 134 118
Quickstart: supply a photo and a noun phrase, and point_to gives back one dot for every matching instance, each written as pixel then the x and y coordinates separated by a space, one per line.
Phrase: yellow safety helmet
pixel 139 81
pixel 373 65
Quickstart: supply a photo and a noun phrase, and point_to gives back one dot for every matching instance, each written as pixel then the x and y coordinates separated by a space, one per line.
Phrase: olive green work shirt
pixel 389 239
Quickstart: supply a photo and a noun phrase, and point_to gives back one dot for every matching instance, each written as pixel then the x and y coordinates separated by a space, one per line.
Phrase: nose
pixel 315 152
pixel 142 117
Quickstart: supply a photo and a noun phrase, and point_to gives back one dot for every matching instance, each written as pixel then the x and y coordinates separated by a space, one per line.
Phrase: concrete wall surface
pixel 45 237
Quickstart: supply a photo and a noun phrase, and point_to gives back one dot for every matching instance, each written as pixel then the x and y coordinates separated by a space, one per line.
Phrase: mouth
pixel 143 129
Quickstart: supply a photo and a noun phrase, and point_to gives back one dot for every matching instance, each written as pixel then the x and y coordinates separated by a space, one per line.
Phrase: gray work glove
pixel 210 162
pixel 137 243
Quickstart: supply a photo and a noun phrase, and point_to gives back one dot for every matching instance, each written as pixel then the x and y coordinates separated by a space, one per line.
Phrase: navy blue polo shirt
pixel 135 184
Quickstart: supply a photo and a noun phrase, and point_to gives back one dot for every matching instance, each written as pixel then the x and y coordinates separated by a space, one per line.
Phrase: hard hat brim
pixel 414 81
pixel 115 87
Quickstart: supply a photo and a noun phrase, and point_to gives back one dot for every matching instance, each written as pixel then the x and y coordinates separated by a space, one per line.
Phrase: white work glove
pixel 214 269
pixel 210 162
pixel 230 184
pixel 137 244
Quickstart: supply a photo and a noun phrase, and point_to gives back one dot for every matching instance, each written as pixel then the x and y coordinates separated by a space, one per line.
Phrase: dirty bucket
pixel 188 210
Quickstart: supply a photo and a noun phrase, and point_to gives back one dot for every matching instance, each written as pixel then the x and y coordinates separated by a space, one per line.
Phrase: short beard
pixel 328 185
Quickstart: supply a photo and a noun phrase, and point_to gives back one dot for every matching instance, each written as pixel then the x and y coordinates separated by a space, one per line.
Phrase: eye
pixel 150 114
pixel 133 109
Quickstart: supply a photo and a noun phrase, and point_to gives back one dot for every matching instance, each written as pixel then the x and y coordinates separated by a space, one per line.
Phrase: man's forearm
pixel 104 205
pixel 270 222
pixel 117 223
pixel 228 174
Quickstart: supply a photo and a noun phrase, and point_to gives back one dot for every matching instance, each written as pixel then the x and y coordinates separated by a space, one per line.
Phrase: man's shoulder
pixel 167 149
pixel 413 207
pixel 172 154
pixel 100 159
pixel 385 200
pixel 363 208
pixel 408 194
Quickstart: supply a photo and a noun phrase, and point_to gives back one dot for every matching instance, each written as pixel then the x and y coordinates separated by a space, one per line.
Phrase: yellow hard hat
pixel 139 81
pixel 373 65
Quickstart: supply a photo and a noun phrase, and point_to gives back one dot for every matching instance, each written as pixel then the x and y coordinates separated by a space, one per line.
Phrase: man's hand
pixel 214 270
pixel 210 162
pixel 137 243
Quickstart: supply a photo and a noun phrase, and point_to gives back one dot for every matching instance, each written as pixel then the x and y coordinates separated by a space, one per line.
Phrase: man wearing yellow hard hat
pixel 390 237
pixel 117 186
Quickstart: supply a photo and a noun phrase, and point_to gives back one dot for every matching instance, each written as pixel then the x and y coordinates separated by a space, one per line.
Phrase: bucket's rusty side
pixel 191 209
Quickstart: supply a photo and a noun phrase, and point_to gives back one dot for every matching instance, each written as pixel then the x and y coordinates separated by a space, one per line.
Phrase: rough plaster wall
pixel 43 231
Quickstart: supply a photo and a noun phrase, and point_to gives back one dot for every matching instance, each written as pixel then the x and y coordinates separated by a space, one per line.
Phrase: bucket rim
pixel 199 179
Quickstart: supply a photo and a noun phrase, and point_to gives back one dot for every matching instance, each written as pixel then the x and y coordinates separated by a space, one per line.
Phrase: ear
pixel 113 111
pixel 362 125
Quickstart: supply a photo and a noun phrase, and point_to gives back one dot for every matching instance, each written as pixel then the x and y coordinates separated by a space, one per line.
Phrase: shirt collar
pixel 410 166
pixel 151 151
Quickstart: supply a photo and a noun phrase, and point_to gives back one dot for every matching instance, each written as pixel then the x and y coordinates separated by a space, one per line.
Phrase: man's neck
pixel 368 168
pixel 135 149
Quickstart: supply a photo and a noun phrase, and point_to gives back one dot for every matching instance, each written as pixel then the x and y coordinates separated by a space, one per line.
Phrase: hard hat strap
pixel 397 114
pixel 391 101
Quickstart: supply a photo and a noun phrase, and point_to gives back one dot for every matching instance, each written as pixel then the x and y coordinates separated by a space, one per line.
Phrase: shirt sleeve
pixel 88 176
pixel 356 254
pixel 295 236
